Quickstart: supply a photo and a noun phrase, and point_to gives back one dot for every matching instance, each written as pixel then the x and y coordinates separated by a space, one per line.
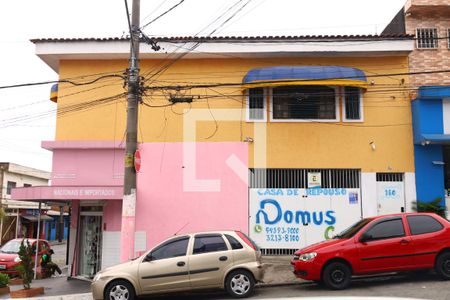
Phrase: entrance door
pixel 390 193
pixel 90 243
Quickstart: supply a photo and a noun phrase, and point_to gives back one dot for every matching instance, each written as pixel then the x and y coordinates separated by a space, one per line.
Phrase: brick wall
pixel 430 59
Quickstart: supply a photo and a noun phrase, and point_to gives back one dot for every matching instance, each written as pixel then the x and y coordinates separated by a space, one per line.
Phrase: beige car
pixel 226 260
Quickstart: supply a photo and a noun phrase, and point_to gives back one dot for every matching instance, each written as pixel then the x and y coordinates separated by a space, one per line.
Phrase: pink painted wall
pixel 102 167
pixel 164 208
pixel 112 215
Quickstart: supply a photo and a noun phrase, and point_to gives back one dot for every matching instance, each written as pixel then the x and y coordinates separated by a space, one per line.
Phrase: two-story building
pixel 429 63
pixel 19 219
pixel 286 138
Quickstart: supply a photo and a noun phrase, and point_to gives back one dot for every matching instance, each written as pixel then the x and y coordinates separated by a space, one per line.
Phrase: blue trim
pixel 429 176
pixel 303 72
pixel 434 92
pixel 427 119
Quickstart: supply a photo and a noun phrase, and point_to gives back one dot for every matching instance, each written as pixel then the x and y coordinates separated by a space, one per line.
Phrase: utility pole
pixel 129 186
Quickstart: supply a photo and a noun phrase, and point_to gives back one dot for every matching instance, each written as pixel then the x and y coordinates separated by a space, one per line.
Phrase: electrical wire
pixel 163 14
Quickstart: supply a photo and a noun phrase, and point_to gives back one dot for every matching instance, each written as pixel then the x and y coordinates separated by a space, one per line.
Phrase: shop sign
pixel 84 192
pixel 314 180
pixel 295 218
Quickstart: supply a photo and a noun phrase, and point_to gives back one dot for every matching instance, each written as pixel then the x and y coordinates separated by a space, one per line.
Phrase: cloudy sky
pixel 27 116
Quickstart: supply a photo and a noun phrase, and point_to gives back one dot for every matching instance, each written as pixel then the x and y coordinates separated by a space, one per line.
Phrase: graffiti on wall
pixel 293 218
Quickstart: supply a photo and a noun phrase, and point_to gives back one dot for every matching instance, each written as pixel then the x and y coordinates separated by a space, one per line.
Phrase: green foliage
pixel 26 265
pixel 4 280
pixel 434 206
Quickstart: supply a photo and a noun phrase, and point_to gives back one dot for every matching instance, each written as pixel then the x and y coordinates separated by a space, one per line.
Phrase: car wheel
pixel 337 276
pixel 443 265
pixel 239 284
pixel 120 290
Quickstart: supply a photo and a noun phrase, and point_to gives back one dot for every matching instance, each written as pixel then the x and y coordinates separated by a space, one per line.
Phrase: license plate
pixel 2 267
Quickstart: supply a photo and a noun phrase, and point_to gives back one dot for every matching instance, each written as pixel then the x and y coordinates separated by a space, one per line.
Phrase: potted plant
pixel 434 206
pixel 4 280
pixel 26 272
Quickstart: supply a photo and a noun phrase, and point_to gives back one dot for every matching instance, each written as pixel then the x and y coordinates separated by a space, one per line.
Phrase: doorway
pixel 91 220
pixel 390 193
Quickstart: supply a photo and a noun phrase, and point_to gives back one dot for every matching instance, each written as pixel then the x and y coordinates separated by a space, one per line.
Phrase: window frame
pixel 448 38
pixel 378 222
pixel 361 107
pixel 426 216
pixel 9 188
pixel 336 105
pixel 434 39
pixel 149 256
pixel 199 236
pixel 247 106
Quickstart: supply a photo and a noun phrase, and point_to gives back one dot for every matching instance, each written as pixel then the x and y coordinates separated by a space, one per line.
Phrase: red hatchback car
pixel 9 257
pixel 381 244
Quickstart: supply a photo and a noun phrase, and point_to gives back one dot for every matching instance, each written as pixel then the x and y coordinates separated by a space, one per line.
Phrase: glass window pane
pixel 171 249
pixel 387 229
pixel 352 103
pixel 207 244
pixel 233 242
pixel 423 224
pixel 256 103
pixel 304 102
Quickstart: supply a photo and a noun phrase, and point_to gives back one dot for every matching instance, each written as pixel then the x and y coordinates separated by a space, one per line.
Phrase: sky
pixel 27 116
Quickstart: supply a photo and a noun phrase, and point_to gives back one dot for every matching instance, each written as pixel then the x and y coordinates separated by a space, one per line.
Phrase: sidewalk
pixel 278 271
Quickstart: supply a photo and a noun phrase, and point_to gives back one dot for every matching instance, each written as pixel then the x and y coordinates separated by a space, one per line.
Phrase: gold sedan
pixel 226 260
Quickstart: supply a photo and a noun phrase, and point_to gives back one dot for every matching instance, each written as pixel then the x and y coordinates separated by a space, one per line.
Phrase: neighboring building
pixel 286 138
pixel 429 21
pixel 20 216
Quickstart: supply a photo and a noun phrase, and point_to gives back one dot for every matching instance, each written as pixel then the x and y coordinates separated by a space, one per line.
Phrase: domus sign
pixel 294 218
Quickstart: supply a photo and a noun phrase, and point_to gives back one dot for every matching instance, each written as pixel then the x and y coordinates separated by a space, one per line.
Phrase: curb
pixel 85 296
pixel 269 285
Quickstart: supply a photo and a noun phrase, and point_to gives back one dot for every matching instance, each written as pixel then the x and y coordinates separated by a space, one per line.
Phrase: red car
pixel 9 257
pixel 381 244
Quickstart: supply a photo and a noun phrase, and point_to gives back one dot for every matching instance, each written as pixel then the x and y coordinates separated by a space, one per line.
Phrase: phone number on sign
pixel 282 234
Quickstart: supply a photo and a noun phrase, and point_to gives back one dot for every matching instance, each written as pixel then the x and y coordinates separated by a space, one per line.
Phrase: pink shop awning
pixel 42 193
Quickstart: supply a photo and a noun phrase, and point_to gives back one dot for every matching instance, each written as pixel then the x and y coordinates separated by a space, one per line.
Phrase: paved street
pixel 422 286
pixel 413 286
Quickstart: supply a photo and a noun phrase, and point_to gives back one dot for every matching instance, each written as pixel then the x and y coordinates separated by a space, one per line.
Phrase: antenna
pixel 187 223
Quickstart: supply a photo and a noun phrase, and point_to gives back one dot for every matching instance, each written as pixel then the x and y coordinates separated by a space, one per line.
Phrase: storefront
pixel 431 124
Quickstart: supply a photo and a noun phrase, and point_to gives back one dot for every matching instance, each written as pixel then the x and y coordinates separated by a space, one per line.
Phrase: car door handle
pixel 404 241
pixel 223 258
pixel 181 263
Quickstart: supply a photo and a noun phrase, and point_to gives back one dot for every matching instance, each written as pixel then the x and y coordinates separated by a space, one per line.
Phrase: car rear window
pixel 423 224
pixel 234 242
pixel 209 243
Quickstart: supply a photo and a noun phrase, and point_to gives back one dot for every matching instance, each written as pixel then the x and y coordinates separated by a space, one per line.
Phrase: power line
pixel 163 14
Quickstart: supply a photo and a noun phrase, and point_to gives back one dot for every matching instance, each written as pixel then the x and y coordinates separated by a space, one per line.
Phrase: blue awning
pixel 435 138
pixel 305 75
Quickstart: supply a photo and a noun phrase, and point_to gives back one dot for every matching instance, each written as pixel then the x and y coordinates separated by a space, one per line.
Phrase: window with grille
pixel 448 38
pixel 256 105
pixel 427 38
pixel 352 104
pixel 304 103
pixel 9 186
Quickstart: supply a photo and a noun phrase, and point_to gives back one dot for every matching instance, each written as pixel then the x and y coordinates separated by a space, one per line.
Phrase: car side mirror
pixel 149 257
pixel 365 237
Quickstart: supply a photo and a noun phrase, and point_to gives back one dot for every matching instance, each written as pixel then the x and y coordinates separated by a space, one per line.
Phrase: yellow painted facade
pixel 386 112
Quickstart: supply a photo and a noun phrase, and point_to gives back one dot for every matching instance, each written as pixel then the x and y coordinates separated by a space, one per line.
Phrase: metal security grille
pixel 278 251
pixel 390 177
pixel 256 104
pixel 448 38
pixel 352 103
pixel 298 178
pixel 427 38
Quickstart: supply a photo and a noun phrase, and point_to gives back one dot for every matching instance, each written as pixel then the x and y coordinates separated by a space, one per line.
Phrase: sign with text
pixel 314 180
pixel 294 218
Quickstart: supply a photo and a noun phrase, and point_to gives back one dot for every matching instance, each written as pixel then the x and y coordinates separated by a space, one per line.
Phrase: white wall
pixel 369 194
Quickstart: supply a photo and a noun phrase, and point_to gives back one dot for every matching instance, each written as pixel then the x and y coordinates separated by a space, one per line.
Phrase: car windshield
pixel 11 247
pixel 352 230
